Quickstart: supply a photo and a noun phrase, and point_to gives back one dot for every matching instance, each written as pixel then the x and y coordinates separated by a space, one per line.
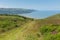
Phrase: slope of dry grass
pixel 34 29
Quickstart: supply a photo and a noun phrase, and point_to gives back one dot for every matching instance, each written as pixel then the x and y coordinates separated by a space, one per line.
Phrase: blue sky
pixel 31 4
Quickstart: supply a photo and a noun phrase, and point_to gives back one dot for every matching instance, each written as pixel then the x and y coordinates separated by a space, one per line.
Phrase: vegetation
pixel 15 27
pixel 8 22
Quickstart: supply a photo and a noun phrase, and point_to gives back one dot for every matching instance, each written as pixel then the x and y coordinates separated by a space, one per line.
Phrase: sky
pixel 31 4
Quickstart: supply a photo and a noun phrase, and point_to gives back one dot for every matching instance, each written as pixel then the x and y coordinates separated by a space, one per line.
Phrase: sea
pixel 41 14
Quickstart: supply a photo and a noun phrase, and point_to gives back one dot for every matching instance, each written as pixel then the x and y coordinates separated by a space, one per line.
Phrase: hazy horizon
pixel 31 4
pixel 48 7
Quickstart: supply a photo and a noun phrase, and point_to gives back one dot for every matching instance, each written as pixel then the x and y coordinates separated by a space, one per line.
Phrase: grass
pixel 14 27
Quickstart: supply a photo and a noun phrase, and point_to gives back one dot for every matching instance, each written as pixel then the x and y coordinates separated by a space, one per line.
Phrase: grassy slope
pixel 45 29
pixel 8 22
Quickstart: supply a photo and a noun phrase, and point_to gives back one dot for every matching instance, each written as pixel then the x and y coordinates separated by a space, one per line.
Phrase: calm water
pixel 41 14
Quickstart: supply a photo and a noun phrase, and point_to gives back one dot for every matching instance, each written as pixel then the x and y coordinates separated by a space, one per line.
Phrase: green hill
pixel 14 27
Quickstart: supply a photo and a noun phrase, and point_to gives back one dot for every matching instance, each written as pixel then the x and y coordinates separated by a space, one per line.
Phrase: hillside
pixel 14 27
pixel 8 22
pixel 15 10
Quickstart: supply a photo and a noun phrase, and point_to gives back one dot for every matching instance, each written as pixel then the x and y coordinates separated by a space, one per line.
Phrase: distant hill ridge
pixel 14 11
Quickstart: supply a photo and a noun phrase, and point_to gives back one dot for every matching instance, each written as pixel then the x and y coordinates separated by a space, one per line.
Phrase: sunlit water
pixel 41 14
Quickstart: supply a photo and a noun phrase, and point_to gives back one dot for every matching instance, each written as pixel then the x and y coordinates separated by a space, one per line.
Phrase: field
pixel 15 27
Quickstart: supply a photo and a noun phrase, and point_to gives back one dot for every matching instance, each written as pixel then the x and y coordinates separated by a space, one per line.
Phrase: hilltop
pixel 15 27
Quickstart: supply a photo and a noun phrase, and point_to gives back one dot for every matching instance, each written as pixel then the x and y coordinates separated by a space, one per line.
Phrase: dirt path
pixel 15 33
pixel 27 32
pixel 28 28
